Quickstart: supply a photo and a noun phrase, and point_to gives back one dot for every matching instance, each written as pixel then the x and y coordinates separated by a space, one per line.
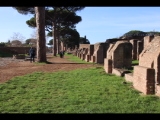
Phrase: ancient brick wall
pixel 119 55
pixel 134 48
pixel 15 50
pixel 99 54
pixel 89 53
pixel 144 79
pixel 139 48
pixel 147 74
pixel 84 46
pixel 147 40
pixel 84 53
pixel 129 77
pixel 122 55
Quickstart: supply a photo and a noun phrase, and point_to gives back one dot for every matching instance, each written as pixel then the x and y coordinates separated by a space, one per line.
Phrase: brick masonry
pixel 119 55
pixel 146 76
pixel 99 54
pixel 15 50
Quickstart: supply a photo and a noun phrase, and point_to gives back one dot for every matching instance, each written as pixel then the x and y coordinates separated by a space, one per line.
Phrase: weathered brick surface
pixel 129 77
pixel 81 51
pixel 93 59
pixel 147 40
pixel 110 51
pixel 108 65
pixel 99 54
pixel 116 72
pixel 143 79
pixel 139 48
pixel 84 53
pixel 121 54
pixel 150 53
pixel 157 90
pixel 87 58
pixel 89 53
pixel 147 74
pixel 134 48
pixel 84 46
pixel 78 53
pixel 15 50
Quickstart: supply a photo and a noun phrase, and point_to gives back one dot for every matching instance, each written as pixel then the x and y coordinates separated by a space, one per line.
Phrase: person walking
pixel 32 54
pixel 61 54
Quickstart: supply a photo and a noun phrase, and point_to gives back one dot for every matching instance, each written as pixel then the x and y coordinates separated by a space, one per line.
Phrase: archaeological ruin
pixel 119 56
pixel 116 56
pixel 146 75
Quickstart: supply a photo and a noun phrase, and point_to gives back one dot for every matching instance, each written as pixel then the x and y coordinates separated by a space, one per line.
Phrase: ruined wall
pixel 89 53
pixel 147 40
pixel 99 54
pixel 84 46
pixel 139 48
pixel 122 55
pixel 134 48
pixel 147 75
pixel 84 53
pixel 15 50
pixel 119 55
pixel 144 79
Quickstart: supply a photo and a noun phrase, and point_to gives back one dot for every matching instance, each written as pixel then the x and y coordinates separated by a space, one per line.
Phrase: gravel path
pixel 17 67
pixel 7 60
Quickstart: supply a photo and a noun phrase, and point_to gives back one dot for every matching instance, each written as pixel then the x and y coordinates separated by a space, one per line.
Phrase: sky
pixel 98 23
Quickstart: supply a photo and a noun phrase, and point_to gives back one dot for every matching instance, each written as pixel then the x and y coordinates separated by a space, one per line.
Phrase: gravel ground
pixel 17 67
pixel 7 60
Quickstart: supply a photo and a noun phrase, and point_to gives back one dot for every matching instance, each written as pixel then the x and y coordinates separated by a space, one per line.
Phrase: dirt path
pixel 20 68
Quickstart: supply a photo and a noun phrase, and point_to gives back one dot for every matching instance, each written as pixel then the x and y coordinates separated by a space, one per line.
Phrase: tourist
pixel 32 54
pixel 61 54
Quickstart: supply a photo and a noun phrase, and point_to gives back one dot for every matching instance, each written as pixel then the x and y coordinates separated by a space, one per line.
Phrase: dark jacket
pixel 32 52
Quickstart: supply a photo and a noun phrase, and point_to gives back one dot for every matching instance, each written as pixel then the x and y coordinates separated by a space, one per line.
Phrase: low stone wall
pixel 129 77
pixel 18 56
pixel 116 72
pixel 144 79
pixel 84 46
pixel 158 90
pixel 120 72
pixel 15 50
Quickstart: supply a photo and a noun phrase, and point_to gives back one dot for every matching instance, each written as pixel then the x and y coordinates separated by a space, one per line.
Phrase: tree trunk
pixel 54 33
pixel 41 40
pixel 58 42
pixel 54 40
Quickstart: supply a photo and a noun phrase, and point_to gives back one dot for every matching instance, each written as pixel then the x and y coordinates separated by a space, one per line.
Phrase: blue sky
pixel 98 23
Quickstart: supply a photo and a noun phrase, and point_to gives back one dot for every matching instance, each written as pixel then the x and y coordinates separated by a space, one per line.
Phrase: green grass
pixel 135 62
pixel 79 91
pixel 76 59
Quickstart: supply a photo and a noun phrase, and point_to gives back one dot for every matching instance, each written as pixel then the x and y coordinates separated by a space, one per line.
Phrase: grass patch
pixel 135 62
pixel 79 91
pixel 73 58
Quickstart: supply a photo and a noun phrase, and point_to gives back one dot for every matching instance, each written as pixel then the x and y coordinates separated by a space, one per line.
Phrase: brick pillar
pixel 108 65
pixel 144 79
pixel 139 48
